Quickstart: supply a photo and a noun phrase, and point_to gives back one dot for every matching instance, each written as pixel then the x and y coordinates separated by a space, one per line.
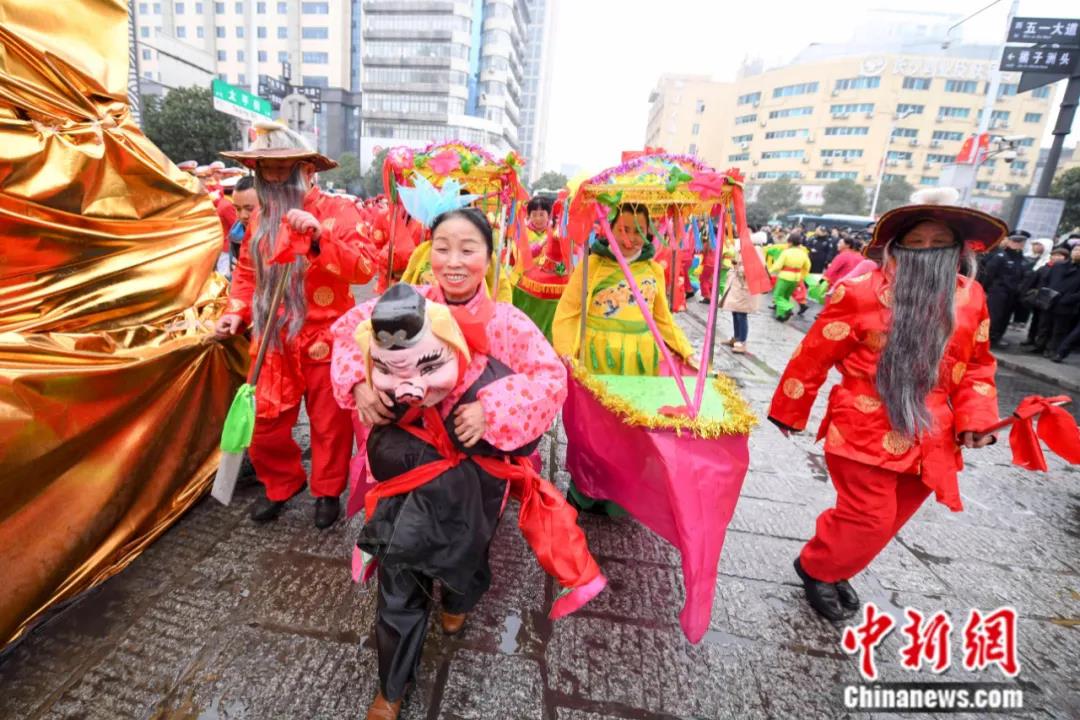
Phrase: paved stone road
pixel 224 619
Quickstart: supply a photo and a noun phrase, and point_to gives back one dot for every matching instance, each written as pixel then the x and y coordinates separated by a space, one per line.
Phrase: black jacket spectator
pixel 1003 276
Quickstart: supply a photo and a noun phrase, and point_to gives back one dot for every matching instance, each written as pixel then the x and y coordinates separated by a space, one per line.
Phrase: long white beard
pixel 923 319
pixel 275 201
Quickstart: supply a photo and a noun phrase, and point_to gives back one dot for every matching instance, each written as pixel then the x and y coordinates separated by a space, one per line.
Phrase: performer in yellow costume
pixel 617 338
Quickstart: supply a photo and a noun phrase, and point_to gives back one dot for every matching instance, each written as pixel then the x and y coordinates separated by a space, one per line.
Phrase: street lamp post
pixel 884 156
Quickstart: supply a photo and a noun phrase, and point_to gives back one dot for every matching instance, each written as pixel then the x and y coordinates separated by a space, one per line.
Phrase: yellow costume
pixel 418 272
pixel 617 338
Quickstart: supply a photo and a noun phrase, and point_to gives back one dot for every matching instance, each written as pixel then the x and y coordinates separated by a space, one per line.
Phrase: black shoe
pixel 1001 344
pixel 849 599
pixel 803 309
pixel 822 596
pixel 327 510
pixel 247 477
pixel 264 510
pixel 1047 354
pixel 1059 358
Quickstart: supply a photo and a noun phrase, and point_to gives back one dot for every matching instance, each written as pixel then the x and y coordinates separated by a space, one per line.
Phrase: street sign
pixel 1040 216
pixel 273 89
pixel 286 71
pixel 238 102
pixel 1040 59
pixel 1062 31
pixel 311 92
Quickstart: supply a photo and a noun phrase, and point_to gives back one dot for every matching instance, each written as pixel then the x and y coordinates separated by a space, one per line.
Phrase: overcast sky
pixel 609 54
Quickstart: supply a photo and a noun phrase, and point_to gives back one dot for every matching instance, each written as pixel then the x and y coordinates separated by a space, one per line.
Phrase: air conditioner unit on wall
pixel 914 142
pixel 805 160
pixel 867 177
pixel 810 138
pixel 935 143
pixel 827 161
pixel 869 116
pixel 847 158
pixel 764 123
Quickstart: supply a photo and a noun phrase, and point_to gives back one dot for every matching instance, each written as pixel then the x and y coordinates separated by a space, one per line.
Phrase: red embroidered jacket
pixel 849 335
pixel 343 259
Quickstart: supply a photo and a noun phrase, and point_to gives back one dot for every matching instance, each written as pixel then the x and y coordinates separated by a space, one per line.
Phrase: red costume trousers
pixel 276 456
pixel 872 505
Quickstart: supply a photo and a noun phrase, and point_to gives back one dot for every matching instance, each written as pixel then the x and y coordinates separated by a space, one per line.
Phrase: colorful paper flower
pixel 445 162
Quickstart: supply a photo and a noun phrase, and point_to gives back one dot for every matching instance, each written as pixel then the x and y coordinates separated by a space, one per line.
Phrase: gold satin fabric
pixel 112 393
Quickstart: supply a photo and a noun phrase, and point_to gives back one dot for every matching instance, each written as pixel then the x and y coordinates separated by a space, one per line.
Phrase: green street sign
pixel 240 103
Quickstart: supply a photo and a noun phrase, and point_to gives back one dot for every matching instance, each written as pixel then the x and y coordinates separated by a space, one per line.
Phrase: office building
pixel 443 69
pixel 839 112
pixel 536 90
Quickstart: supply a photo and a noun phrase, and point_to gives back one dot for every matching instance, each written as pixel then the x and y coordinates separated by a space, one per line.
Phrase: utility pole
pixel 884 158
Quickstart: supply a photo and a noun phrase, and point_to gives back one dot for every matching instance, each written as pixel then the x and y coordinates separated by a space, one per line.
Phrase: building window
pixel 200 32
pixel 315 33
pixel 699 107
pixel 146 54
pixel 892 177
pixel 953 112
pixel 148 75
pixel 695 129
pixel 239 8
pixel 283 8
pixel 179 7
pixel 846 131
pixel 909 108
pixel 239 56
pixel 241 79
pixel 748 98
pixel 740 120
pixel 283 33
pixel 913 83
pixel 948 135
pixel 800 89
pixel 836 175
pixel 283 56
pixel 897 155
pixel 858 83
pixel 260 8
pixel 693 149
pixel 742 138
pixel 239 31
pixel 221 56
pixel 998 118
pixel 181 32
pixel 780 134
pixel 1033 117
pixel 263 56
pixel 834 153
pixel 1043 92
pixel 199 9
pixel 219 8
pixel 792 112
pixel 144 8
pixel 740 157
pixel 1007 89
pixel 316 58
pixel 939 158
pixel 315 8
pixel 905 132
pixel 219 31
pixel 782 154
pixel 961 86
pixel 316 81
pixel 157 8
pixel 260 32
pixel 982 185
pixel 144 32
pixel 851 108
pixel 928 180
pixel 1019 165
pixel 778 174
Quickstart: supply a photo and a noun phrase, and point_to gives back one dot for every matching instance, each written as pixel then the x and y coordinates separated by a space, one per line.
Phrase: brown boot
pixel 452 624
pixel 383 709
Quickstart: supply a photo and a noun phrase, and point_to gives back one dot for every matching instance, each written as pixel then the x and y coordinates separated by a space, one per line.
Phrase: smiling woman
pixel 461 248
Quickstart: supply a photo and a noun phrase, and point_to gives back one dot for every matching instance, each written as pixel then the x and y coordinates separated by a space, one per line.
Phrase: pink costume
pixel 517 409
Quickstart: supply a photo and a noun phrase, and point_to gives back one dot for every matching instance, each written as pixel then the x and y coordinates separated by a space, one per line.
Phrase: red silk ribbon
pixel 1056 427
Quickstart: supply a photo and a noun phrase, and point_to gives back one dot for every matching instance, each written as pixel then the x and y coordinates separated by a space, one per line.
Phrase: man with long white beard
pixel 911 341
pixel 328 255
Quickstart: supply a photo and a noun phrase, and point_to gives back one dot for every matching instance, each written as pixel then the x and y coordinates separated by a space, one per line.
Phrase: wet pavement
pixel 224 619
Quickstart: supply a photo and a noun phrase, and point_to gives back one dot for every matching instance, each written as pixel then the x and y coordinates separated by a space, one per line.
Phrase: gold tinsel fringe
pixel 545 291
pixel 739 419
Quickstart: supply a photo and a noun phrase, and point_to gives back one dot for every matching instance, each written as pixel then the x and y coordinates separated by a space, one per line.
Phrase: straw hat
pixel 274 141
pixel 981 231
